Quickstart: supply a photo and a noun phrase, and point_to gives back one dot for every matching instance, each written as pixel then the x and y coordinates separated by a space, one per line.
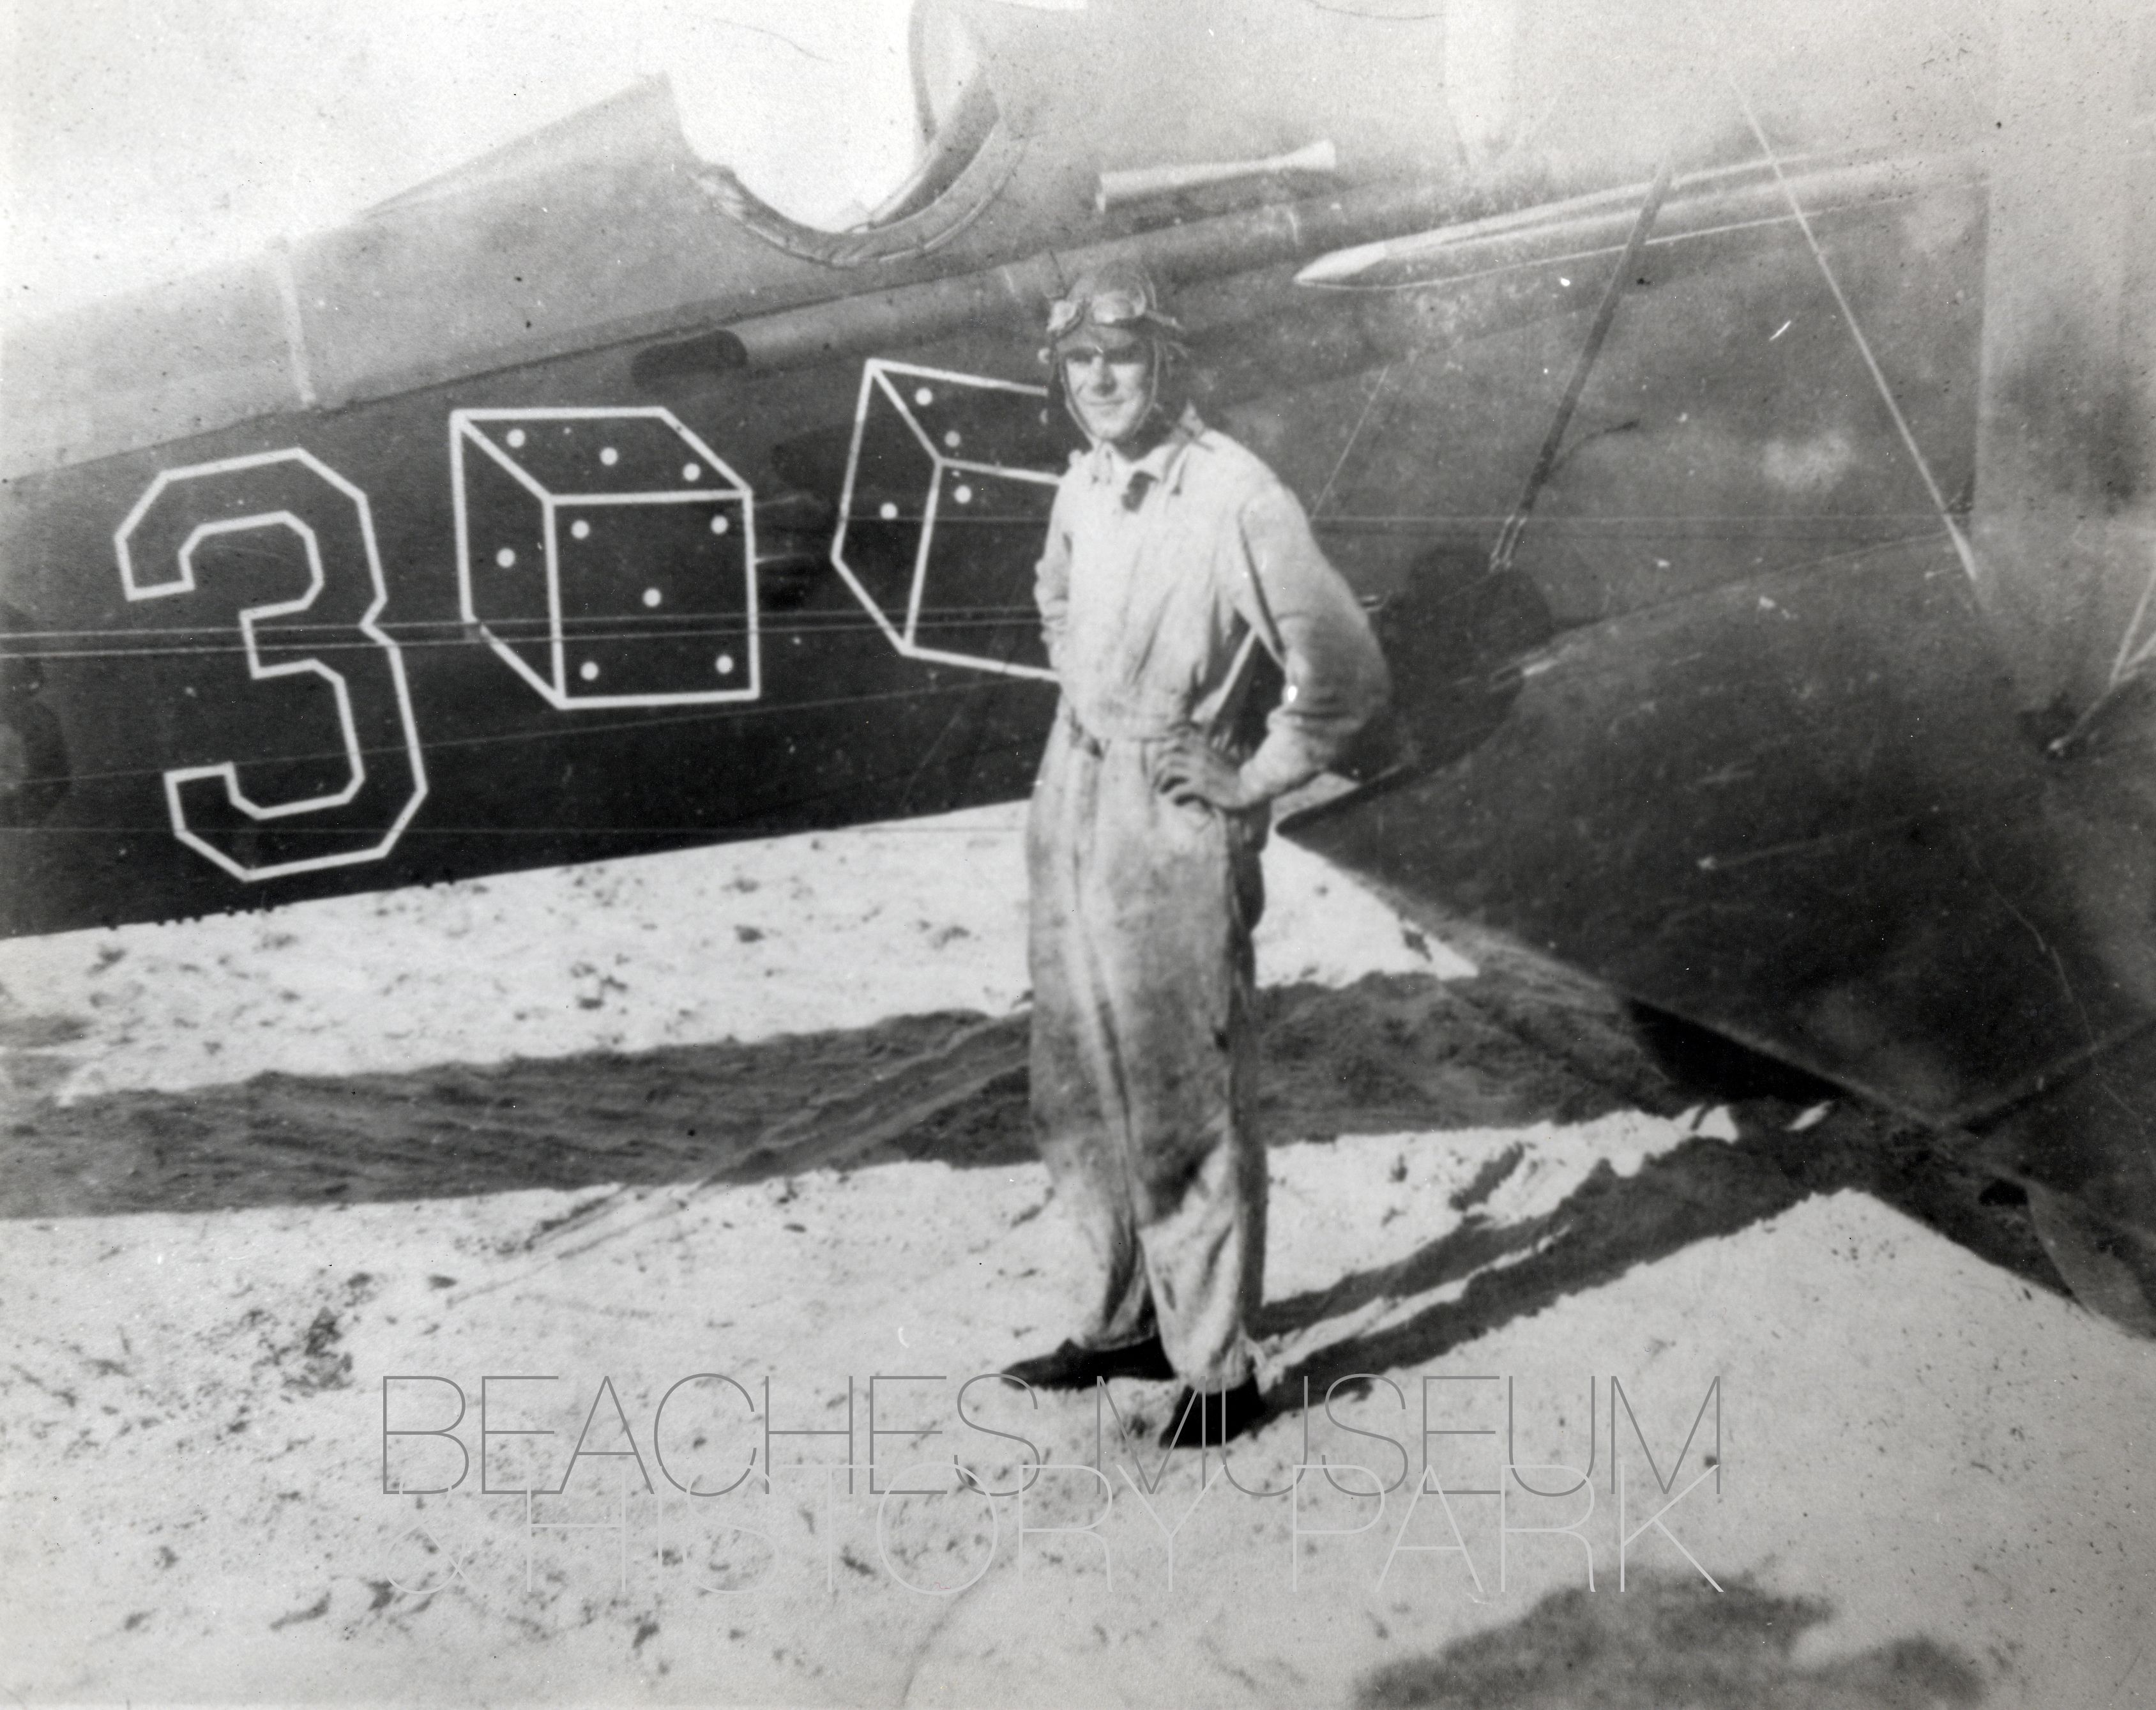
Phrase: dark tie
pixel 1134 494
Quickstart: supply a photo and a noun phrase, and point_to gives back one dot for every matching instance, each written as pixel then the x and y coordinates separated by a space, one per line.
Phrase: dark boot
pixel 1198 1421
pixel 1071 1366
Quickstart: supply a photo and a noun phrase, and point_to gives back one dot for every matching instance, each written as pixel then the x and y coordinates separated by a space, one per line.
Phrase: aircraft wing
pixel 1766 774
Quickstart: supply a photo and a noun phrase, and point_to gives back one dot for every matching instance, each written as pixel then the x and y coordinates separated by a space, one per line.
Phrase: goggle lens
pixel 1115 308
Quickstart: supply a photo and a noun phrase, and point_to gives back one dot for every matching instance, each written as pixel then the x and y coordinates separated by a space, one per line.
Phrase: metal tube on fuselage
pixel 1018 293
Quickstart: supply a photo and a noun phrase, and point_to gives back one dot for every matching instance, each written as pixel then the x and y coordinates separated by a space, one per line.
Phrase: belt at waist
pixel 1094 744
pixel 1094 738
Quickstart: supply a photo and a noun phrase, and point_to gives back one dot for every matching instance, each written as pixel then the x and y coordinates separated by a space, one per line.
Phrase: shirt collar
pixel 1164 462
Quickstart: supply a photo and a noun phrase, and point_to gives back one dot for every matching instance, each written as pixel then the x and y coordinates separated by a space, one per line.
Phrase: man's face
pixel 1110 377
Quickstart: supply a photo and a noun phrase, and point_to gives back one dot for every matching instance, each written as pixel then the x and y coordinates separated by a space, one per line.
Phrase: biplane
pixel 1740 425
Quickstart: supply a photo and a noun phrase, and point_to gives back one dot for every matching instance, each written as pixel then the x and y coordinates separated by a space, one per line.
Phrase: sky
pixel 150 138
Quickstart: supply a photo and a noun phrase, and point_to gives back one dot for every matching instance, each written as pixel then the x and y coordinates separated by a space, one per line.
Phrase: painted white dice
pixel 948 488
pixel 607 554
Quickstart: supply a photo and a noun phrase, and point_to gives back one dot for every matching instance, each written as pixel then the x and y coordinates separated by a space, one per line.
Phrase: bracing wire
pixel 1963 550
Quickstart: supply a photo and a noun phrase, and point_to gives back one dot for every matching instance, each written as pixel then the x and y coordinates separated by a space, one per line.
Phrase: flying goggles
pixel 1123 306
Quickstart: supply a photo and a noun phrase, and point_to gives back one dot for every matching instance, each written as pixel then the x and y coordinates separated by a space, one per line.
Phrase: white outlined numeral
pixel 293 494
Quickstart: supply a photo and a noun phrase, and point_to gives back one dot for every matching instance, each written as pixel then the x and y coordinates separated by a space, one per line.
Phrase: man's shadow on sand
pixel 1699 1189
pixel 1795 1137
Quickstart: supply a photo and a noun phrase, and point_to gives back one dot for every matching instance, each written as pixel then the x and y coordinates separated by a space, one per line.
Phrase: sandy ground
pixel 665 1155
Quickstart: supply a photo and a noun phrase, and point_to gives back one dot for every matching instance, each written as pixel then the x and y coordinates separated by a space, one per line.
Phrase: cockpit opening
pixel 879 131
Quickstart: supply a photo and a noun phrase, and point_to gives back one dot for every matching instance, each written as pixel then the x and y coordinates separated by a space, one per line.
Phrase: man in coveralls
pixel 1170 549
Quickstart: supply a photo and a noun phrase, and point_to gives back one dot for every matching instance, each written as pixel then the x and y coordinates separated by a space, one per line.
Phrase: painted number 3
pixel 283 545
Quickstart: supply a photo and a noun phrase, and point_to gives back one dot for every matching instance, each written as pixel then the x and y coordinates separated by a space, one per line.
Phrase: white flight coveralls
pixel 1143 1050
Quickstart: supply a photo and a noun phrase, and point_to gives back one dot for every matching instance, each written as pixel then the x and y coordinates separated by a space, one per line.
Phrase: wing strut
pixel 1605 312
